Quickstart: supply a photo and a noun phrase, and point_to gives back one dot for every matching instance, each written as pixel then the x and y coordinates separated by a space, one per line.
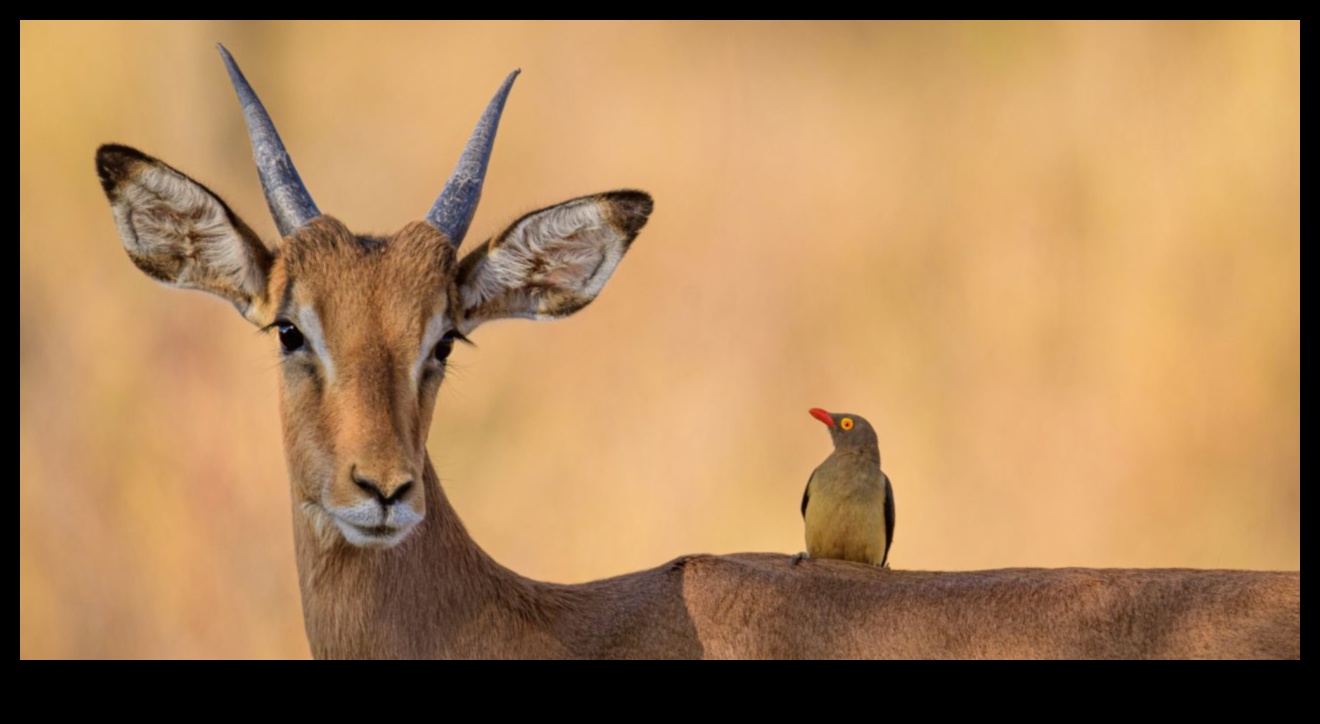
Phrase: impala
pixel 365 326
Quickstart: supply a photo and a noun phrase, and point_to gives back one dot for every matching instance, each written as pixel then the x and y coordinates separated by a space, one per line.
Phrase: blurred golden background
pixel 1057 266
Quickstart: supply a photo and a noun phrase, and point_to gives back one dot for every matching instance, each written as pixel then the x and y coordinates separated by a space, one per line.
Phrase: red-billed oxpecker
pixel 848 506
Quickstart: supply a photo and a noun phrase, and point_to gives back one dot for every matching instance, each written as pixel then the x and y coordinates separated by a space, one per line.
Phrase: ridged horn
pixel 289 202
pixel 457 203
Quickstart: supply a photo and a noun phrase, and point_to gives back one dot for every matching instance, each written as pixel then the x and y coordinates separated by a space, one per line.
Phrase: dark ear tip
pixel 633 201
pixel 631 207
pixel 113 162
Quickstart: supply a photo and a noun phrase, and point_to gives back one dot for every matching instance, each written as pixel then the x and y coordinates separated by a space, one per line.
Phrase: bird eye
pixel 291 340
pixel 846 423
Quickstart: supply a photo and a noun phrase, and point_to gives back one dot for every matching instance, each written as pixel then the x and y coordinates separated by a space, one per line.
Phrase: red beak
pixel 822 415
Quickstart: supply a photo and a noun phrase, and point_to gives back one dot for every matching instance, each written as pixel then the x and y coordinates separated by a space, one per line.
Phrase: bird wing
pixel 889 518
pixel 806 493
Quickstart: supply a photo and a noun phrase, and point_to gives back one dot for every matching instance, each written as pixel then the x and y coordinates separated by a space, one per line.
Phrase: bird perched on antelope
pixel 848 506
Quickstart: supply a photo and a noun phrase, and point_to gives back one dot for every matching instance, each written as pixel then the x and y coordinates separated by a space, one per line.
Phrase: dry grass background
pixel 1057 266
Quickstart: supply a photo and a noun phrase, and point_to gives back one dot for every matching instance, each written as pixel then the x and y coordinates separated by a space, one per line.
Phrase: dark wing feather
pixel 889 519
pixel 806 493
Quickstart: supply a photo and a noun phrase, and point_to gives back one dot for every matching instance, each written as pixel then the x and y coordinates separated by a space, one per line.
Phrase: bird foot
pixel 798 559
pixel 884 566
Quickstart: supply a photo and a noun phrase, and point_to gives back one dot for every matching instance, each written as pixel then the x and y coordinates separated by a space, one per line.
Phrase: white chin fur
pixel 368 525
pixel 376 538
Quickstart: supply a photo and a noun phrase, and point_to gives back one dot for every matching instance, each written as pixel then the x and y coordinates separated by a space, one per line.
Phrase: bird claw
pixel 798 559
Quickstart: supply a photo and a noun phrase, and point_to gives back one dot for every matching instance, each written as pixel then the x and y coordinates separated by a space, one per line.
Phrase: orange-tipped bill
pixel 822 415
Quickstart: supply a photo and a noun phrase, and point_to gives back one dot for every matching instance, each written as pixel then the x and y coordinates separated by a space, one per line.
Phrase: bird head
pixel 848 431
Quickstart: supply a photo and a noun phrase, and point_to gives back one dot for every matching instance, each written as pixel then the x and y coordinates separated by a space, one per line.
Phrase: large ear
pixel 180 233
pixel 552 262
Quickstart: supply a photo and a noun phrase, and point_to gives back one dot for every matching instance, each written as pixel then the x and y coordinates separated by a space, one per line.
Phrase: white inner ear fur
pixel 570 247
pixel 160 211
pixel 310 326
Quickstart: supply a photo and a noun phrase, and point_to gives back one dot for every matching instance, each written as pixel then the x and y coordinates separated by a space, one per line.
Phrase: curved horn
pixel 457 203
pixel 288 199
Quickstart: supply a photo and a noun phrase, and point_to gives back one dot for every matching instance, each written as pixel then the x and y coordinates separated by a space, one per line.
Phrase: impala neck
pixel 435 594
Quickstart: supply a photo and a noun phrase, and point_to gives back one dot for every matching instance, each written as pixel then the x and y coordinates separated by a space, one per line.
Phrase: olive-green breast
pixel 845 510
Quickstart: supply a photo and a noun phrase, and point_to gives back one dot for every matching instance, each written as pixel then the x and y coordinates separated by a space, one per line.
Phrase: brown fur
pixel 435 593
pixel 439 595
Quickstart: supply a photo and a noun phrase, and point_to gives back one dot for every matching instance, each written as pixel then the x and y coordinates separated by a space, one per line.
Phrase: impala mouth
pixel 369 525
pixel 375 531
pixel 372 536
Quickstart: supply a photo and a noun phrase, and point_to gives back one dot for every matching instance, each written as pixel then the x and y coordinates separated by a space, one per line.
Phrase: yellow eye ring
pixel 846 423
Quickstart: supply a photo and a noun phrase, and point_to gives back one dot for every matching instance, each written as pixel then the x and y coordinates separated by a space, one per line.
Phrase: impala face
pixel 365 331
pixel 365 325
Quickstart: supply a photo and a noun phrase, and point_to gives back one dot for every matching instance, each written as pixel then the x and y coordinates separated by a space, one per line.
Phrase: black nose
pixel 386 498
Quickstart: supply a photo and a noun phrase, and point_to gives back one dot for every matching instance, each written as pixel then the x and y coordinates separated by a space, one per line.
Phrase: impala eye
pixel 446 345
pixel 291 340
pixel 442 350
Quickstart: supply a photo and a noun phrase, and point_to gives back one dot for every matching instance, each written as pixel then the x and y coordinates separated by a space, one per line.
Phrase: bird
pixel 848 506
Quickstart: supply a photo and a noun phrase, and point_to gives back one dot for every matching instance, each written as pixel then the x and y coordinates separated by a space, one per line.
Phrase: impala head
pixel 365 324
